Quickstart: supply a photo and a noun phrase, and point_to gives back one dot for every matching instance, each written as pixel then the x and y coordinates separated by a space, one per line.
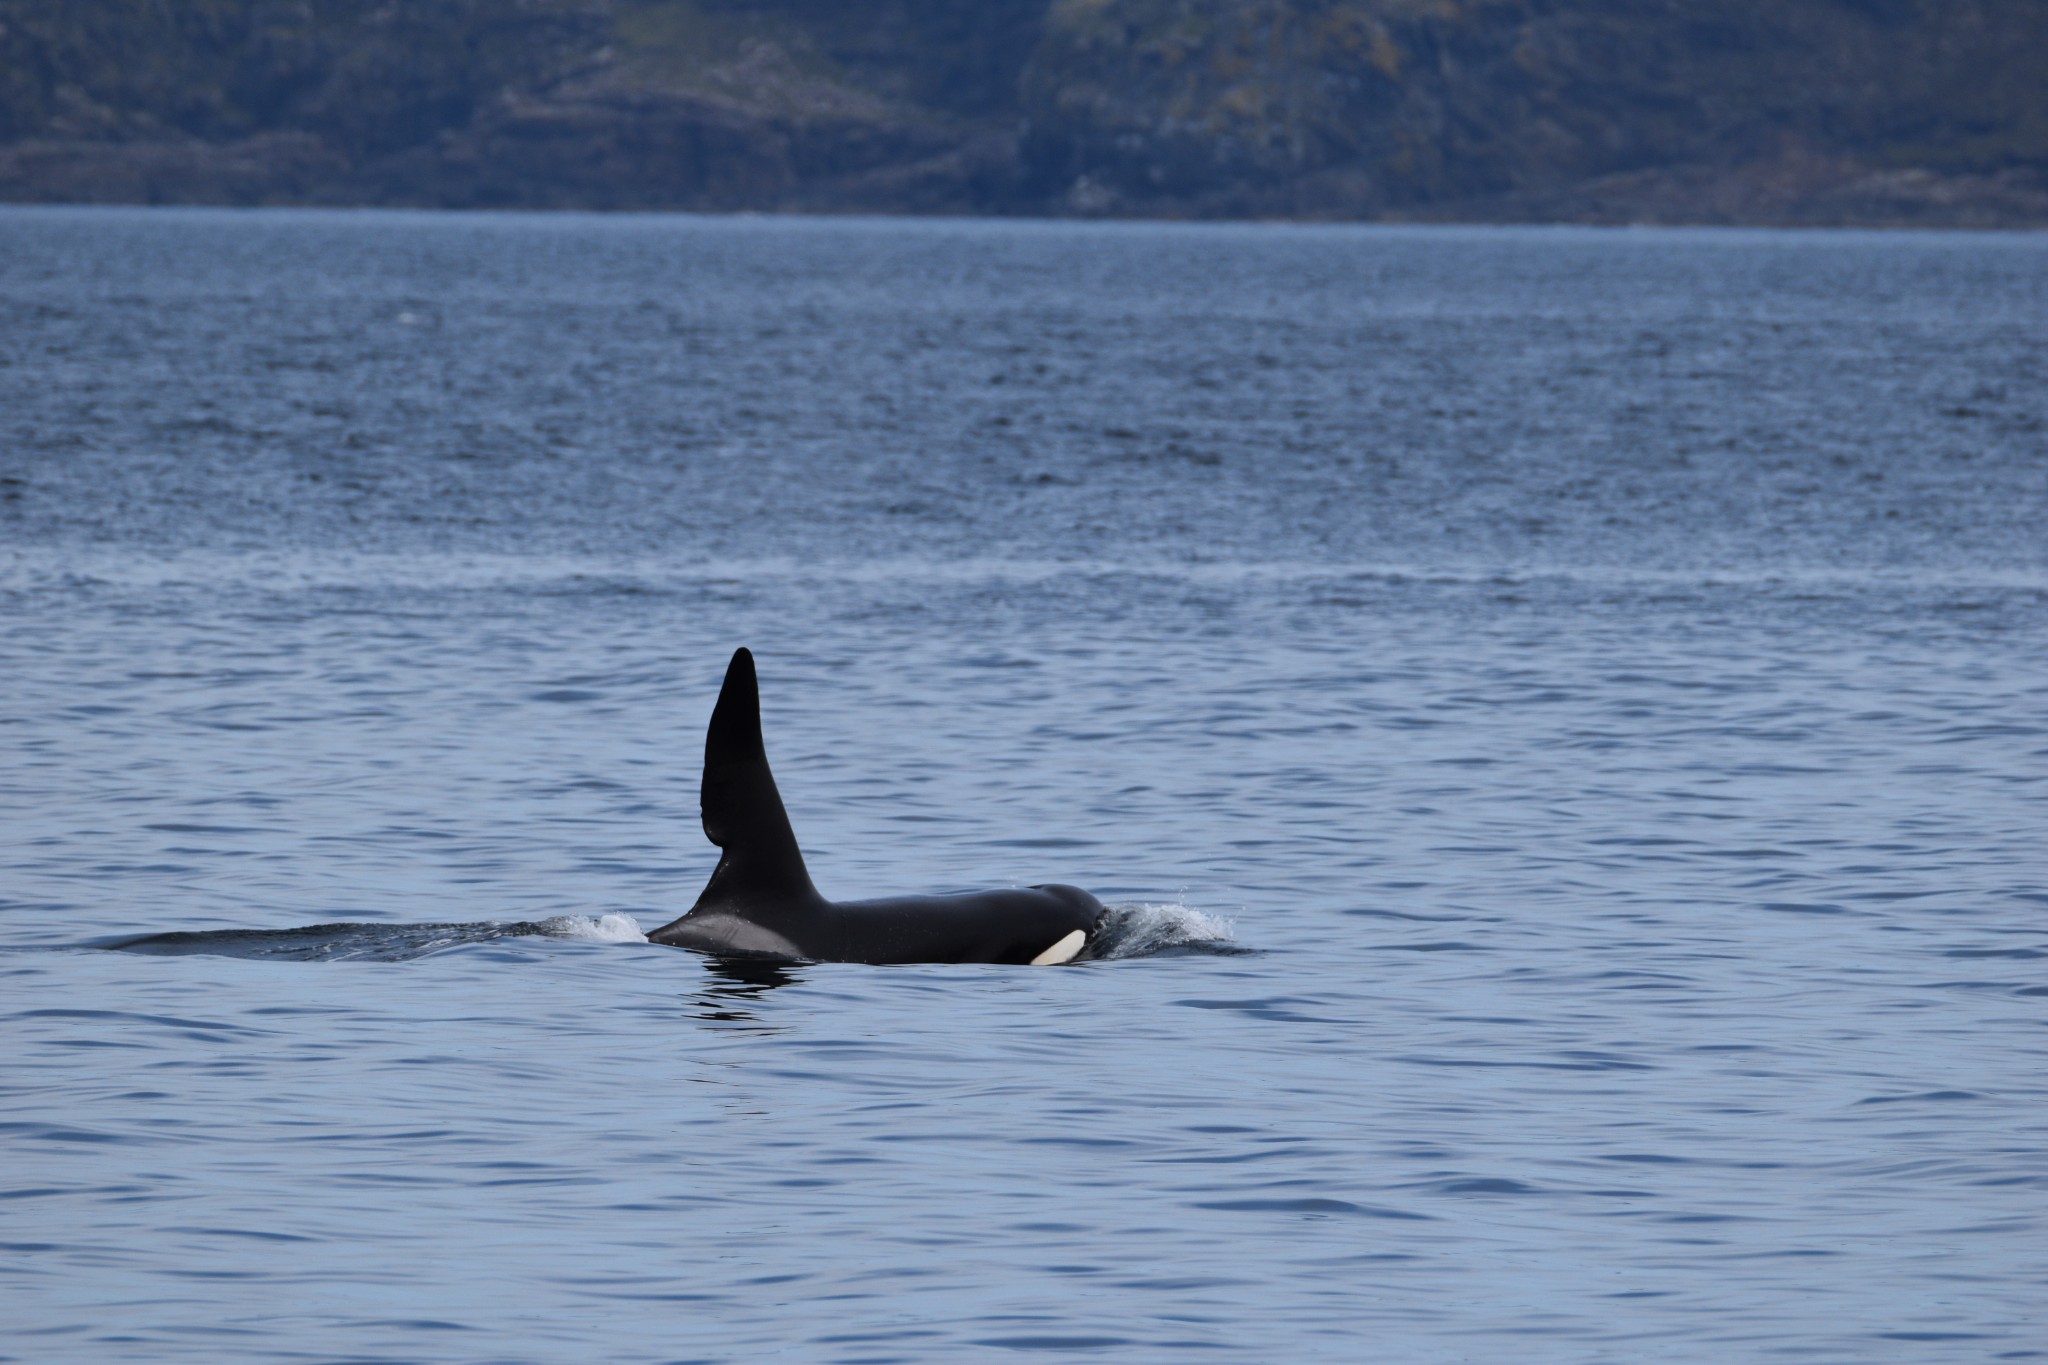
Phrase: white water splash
pixel 610 928
pixel 1147 927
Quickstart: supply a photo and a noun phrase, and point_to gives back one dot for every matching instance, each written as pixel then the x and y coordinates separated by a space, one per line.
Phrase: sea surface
pixel 1561 717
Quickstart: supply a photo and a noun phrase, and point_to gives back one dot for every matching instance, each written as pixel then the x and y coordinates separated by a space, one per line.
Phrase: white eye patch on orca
pixel 1064 951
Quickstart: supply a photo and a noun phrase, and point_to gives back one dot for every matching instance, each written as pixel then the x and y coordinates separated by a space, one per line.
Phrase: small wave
pixel 1149 928
pixel 612 928
pixel 34 568
pixel 375 942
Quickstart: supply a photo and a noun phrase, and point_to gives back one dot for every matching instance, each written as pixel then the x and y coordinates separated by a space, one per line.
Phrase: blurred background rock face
pixel 1719 111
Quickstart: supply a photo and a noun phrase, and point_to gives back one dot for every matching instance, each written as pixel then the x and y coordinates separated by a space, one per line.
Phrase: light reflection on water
pixel 1627 813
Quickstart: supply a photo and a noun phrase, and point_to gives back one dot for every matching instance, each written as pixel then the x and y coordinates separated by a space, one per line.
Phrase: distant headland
pixel 1764 112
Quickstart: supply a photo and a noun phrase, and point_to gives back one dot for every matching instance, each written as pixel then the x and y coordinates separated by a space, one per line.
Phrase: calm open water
pixel 1561 714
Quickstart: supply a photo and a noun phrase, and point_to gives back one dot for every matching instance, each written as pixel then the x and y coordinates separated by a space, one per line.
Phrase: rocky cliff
pixel 1718 109
pixel 1888 111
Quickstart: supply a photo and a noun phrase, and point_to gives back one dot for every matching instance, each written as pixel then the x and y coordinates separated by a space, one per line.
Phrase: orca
pixel 760 902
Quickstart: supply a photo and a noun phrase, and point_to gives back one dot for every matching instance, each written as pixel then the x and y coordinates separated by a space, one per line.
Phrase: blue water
pixel 1560 715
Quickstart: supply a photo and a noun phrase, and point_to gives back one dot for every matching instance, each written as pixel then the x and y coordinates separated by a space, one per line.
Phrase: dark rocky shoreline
pixel 1824 112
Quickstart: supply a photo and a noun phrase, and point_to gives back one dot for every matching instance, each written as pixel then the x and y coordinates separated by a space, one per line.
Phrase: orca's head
pixel 1075 898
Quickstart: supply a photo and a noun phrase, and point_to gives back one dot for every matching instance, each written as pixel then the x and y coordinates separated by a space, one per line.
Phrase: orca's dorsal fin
pixel 761 864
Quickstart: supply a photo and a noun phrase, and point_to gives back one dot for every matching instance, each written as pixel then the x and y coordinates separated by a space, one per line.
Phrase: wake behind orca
pixel 760 901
